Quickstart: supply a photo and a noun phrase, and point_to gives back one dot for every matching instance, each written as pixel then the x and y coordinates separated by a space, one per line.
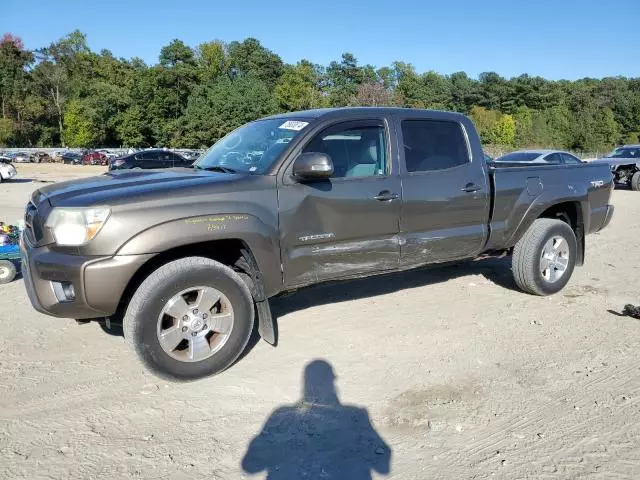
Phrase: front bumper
pixel 98 282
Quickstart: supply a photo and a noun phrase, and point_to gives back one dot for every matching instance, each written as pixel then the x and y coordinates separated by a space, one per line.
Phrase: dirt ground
pixel 461 376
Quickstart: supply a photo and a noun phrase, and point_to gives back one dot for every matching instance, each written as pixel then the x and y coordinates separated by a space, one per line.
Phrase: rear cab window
pixel 432 145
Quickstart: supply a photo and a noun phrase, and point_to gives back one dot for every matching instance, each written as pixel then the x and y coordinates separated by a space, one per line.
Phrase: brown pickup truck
pixel 188 258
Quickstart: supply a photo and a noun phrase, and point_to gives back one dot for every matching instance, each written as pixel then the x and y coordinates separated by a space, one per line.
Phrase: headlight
pixel 76 226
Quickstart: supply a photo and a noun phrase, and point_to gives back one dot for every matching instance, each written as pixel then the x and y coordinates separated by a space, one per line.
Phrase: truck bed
pixel 518 198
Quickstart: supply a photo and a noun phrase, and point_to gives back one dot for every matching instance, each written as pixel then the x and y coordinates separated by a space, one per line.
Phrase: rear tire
pixel 7 271
pixel 635 182
pixel 547 243
pixel 147 319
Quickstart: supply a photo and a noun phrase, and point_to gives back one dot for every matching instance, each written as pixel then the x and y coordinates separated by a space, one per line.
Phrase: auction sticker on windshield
pixel 293 125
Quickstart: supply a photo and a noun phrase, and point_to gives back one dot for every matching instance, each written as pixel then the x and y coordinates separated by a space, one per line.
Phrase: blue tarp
pixel 9 252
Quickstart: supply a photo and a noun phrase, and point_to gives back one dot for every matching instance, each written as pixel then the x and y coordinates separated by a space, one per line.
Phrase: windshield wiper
pixel 215 168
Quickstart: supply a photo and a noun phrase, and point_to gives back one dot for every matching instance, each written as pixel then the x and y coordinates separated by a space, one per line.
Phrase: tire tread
pixel 524 259
pixel 144 293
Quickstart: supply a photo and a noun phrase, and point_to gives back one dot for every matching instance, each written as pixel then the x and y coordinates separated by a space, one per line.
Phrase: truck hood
pixel 118 187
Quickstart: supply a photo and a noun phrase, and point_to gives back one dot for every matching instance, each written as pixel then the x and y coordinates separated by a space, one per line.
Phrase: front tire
pixel 544 258
pixel 189 319
pixel 7 271
pixel 635 182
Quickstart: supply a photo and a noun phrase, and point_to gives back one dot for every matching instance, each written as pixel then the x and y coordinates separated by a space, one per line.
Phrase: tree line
pixel 66 94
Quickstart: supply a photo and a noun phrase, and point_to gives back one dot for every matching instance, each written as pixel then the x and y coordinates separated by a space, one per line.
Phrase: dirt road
pixel 461 376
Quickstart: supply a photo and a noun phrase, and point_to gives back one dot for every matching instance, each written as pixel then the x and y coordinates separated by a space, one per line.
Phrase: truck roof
pixel 346 111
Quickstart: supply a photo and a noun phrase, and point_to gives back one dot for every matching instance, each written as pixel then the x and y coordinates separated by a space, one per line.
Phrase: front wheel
pixel 635 182
pixel 190 318
pixel 544 258
pixel 7 271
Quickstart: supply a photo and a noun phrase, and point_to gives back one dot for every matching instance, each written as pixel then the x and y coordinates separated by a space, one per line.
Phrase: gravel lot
pixel 460 375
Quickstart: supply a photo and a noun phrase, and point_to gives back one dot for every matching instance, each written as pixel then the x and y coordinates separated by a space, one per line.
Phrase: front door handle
pixel 471 187
pixel 386 196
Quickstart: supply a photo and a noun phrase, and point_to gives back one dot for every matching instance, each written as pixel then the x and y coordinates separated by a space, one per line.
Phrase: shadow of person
pixel 318 437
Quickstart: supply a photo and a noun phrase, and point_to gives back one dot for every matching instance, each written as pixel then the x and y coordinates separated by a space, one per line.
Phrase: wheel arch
pixel 569 211
pixel 233 252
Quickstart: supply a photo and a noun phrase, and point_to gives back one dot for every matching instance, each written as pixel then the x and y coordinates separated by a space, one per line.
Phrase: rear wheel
pixel 7 271
pixel 190 318
pixel 544 258
pixel 635 182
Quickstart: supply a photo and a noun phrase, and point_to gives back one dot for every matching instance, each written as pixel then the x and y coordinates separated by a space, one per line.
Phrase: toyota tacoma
pixel 187 258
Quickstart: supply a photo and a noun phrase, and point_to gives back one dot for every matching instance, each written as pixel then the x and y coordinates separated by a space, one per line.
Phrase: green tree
pixel 485 121
pixel 465 92
pixel 250 58
pixel 216 109
pixel 410 89
pixel 523 117
pixel 132 130
pixel 212 59
pixel 13 62
pixel 79 130
pixel 176 53
pixel 505 131
pixel 344 77
pixel 436 91
pixel 297 88
pixel 6 131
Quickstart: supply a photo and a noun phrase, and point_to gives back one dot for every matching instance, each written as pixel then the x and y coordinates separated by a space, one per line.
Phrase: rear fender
pixel 548 200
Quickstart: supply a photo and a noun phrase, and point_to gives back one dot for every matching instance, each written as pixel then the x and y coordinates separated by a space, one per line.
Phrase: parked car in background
pixel 625 165
pixel 108 154
pixel 7 170
pixel 21 157
pixel 191 154
pixel 94 158
pixel 41 157
pixel 71 158
pixel 148 159
pixel 557 157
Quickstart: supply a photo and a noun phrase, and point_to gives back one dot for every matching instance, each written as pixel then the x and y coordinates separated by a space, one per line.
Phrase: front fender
pixel 258 236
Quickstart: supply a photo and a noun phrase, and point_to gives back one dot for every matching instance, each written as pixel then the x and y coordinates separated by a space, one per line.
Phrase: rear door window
pixel 431 145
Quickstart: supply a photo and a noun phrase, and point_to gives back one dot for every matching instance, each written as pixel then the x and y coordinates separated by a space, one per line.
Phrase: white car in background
pixel 555 157
pixel 7 170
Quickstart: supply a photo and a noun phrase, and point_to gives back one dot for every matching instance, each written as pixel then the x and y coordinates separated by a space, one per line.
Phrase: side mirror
pixel 313 166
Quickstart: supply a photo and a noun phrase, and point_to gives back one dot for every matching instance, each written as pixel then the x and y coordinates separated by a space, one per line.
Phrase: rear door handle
pixel 471 187
pixel 386 196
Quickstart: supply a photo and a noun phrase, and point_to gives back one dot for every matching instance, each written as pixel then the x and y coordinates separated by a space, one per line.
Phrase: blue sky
pixel 555 39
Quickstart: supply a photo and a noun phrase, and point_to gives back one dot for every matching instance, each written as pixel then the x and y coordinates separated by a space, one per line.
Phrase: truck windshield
pixel 252 148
